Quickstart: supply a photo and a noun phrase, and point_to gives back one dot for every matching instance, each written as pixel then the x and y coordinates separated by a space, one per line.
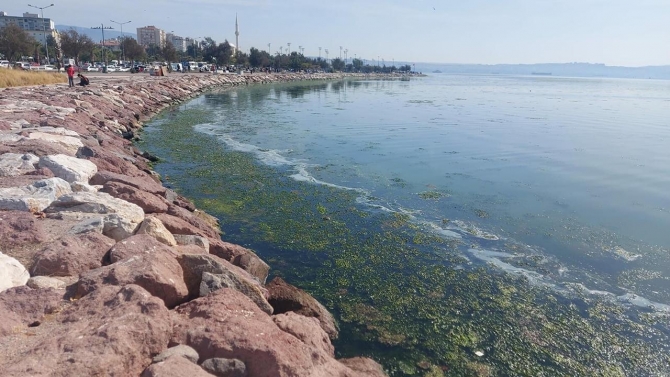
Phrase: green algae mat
pixel 400 295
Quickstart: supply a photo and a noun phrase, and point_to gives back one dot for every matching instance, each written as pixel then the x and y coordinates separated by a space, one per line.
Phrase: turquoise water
pixel 555 185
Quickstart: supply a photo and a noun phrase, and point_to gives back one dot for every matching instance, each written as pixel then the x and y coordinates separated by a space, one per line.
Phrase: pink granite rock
pixel 22 306
pixel 148 202
pixel 143 183
pixel 157 272
pixel 306 329
pixel 139 244
pixel 286 298
pixel 241 257
pixel 71 255
pixel 113 331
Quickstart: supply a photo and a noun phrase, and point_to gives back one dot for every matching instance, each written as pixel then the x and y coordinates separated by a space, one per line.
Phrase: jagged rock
pixel 150 203
pixel 71 169
pixel 178 226
pixel 175 366
pixel 241 257
pixel 365 366
pixel 68 143
pixel 157 272
pixel 18 229
pixel 190 239
pixel 113 331
pixel 181 350
pixel 13 164
pixel 286 298
pixel 71 255
pixel 218 326
pixel 138 244
pixel 155 228
pixel 179 200
pixel 143 183
pixel 204 274
pixel 93 224
pixel 83 187
pixel 45 282
pixel 22 306
pixel 12 273
pixel 122 218
pixel 35 197
pixel 306 329
pixel 221 367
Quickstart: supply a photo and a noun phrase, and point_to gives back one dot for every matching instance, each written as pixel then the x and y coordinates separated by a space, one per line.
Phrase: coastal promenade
pixel 104 271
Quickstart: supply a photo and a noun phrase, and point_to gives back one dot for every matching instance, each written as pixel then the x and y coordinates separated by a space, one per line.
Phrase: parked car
pixel 4 63
pixel 92 68
pixel 123 69
pixel 111 68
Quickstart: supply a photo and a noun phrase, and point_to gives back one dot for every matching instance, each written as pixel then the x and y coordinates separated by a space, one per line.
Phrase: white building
pixel 150 35
pixel 37 27
pixel 178 42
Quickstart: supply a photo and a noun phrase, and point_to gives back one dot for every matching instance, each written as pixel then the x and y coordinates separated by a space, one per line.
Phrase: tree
pixel 15 42
pixel 169 52
pixel 74 44
pixel 133 49
pixel 338 64
pixel 358 64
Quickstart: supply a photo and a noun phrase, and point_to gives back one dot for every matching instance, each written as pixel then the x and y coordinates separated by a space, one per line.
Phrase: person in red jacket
pixel 70 75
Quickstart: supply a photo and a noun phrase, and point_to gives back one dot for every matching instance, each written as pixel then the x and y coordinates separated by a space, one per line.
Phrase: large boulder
pixel 69 168
pixel 306 329
pixel 69 143
pixel 205 274
pixel 286 298
pixel 143 183
pixel 12 273
pixel 139 244
pixel 23 306
pixel 45 282
pixel 364 366
pixel 34 197
pixel 197 218
pixel 72 254
pixel 113 331
pixel 155 228
pixel 121 218
pixel 192 240
pixel 180 350
pixel 18 229
pixel 242 257
pixel 157 272
pixel 149 202
pixel 13 164
pixel 226 324
pixel 175 366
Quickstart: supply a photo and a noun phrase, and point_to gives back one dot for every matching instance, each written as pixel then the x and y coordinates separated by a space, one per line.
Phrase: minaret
pixel 237 35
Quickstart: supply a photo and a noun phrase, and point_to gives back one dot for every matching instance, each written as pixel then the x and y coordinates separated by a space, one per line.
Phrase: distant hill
pixel 96 35
pixel 551 69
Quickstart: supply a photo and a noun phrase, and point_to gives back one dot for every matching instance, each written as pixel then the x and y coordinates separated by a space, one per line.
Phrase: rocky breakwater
pixel 103 271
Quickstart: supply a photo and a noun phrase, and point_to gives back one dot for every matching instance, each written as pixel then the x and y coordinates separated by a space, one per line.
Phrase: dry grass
pixel 17 77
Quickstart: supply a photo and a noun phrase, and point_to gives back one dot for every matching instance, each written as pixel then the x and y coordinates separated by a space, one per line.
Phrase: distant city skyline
pixel 615 32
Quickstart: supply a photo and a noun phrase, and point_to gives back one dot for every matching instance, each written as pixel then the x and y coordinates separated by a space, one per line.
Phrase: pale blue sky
pixel 614 32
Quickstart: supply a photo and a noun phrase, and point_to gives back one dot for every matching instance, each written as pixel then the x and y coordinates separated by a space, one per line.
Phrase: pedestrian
pixel 83 80
pixel 70 75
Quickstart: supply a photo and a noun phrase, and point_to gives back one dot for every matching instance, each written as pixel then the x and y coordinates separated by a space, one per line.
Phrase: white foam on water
pixel 492 257
pixel 625 254
pixel 643 302
pixel 474 231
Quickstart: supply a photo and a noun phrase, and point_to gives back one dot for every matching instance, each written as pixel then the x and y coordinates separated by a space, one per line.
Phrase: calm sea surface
pixel 552 195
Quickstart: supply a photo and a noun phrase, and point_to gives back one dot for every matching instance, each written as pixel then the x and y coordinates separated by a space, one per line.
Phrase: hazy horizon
pixel 615 33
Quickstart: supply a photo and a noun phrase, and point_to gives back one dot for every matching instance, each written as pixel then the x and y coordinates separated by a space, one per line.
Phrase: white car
pixel 4 63
pixel 111 68
pixel 92 68
pixel 123 69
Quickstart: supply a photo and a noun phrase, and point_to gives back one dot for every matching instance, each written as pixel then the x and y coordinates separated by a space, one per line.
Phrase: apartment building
pixel 37 27
pixel 178 42
pixel 151 35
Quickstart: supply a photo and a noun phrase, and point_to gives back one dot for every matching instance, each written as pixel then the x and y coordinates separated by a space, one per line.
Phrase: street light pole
pixel 319 53
pixel 123 46
pixel 44 27
pixel 104 52
pixel 289 48
pixel 269 49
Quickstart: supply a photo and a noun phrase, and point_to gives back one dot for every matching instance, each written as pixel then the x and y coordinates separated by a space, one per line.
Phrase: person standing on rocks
pixel 70 75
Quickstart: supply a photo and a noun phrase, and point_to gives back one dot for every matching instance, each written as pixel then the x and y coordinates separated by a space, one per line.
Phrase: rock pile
pixel 103 271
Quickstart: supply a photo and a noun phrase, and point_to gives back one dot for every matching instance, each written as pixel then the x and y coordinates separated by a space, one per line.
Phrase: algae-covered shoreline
pixel 390 284
pixel 107 272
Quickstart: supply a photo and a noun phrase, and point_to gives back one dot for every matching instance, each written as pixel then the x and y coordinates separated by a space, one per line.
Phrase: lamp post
pixel 340 52
pixel 44 27
pixel 102 28
pixel 123 46
pixel 326 55
pixel 289 48
pixel 319 53
pixel 300 49
pixel 269 49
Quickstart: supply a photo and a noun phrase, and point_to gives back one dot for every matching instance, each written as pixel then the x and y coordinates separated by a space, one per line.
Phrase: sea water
pixel 558 186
